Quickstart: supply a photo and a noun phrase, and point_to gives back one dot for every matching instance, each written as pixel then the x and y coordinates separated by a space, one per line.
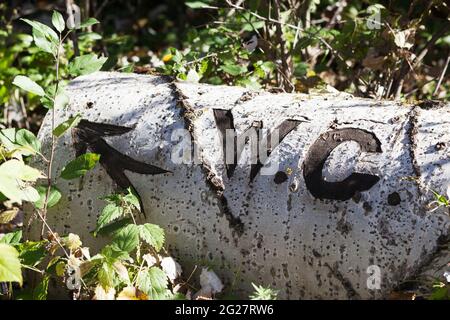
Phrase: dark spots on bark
pixel 89 105
pixel 346 284
pixel 394 199
pixel 214 183
pixel 280 177
pixel 319 153
pixel 440 146
pixel 316 254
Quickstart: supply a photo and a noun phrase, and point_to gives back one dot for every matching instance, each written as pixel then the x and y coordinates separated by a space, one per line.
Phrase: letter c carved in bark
pixel 321 150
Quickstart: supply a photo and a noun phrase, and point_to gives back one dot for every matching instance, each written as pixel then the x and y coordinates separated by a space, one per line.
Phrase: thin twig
pixel 442 75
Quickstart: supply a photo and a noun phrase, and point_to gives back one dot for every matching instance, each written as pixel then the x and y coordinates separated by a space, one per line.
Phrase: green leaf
pixel 53 198
pixel 78 167
pixel 66 125
pixel 26 138
pixel 126 239
pixel 86 64
pixel 12 237
pixel 109 213
pixel 151 281
pixel 152 234
pixel 44 29
pixel 10 268
pixel 132 199
pixel 29 85
pixel 13 173
pixel 58 21
pixel 106 275
pixel 113 227
pixel 89 22
pixel 44 36
pixel 111 253
pixel 233 69
pixel 32 252
pixel 41 290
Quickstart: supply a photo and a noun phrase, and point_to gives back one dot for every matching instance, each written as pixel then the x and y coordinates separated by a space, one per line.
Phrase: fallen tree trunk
pixel 337 210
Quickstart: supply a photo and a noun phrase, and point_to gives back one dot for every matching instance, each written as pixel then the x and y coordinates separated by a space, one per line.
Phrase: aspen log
pixel 339 209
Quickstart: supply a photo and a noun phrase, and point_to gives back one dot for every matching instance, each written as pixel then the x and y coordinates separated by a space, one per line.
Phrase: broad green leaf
pixel 46 30
pixel 29 85
pixel 78 167
pixel 66 125
pixel 26 138
pixel 111 253
pixel 132 198
pixel 113 227
pixel 233 69
pixel 58 21
pixel 10 268
pixel 41 290
pixel 8 138
pixel 18 170
pixel 12 237
pixel 86 64
pixel 13 173
pixel 127 239
pixel 44 36
pixel 32 252
pixel 151 281
pixel 53 198
pixel 106 275
pixel 152 234
pixel 89 22
pixel 109 213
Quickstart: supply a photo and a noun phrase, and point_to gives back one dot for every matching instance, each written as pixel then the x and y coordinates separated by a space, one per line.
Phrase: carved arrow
pixel 89 136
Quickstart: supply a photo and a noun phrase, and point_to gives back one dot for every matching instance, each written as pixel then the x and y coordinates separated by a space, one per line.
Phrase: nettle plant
pixel 131 265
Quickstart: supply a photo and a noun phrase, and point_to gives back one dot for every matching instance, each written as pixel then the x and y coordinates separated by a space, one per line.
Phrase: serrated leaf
pixel 26 138
pixel 152 281
pixel 12 237
pixel 66 125
pixel 78 167
pixel 58 21
pixel 106 275
pixel 53 198
pixel 10 268
pixel 29 85
pixel 126 239
pixel 86 64
pixel 152 235
pixel 32 252
pixel 132 199
pixel 41 290
pixel 109 213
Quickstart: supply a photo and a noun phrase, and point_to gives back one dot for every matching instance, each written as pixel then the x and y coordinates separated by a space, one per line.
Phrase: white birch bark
pixel 274 230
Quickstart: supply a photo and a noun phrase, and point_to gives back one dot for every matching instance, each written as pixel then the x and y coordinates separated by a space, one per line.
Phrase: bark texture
pixel 339 202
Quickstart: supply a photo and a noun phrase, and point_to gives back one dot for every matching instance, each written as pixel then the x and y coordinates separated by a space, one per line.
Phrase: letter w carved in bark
pixel 225 124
